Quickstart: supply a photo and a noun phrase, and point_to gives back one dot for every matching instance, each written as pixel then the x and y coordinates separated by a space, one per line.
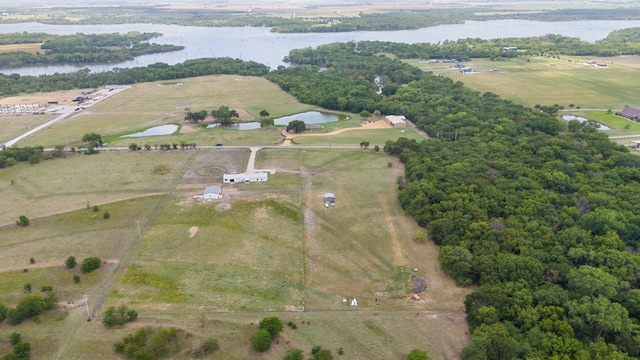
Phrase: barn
pixel 245 178
pixel 396 121
pixel 212 192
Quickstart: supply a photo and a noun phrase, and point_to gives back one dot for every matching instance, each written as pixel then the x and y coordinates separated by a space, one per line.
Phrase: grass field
pixel 268 250
pixel 531 80
pixel 158 103
pixel 30 48
pixel 15 125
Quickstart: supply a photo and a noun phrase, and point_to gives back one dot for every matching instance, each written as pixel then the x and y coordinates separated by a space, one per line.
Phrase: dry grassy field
pixel 263 250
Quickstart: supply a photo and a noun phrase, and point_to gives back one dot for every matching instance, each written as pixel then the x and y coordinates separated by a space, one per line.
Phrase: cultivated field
pixel 265 249
pixel 534 80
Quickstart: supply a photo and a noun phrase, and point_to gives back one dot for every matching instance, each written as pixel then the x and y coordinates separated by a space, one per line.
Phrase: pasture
pixel 29 48
pixel 158 103
pixel 16 125
pixel 217 268
pixel 547 81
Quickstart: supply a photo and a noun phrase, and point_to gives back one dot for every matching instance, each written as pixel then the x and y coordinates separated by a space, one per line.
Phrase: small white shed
pixel 212 192
pixel 329 199
pixel 245 177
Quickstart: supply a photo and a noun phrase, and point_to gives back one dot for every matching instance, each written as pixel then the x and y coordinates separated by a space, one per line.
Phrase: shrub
pixel 119 316
pixel 210 345
pixel 22 350
pixel 3 312
pixel 106 215
pixel 32 261
pixel 294 354
pixel 261 340
pixel 323 354
pixel 71 262
pixel 95 208
pixel 46 288
pixel 420 237
pixel 417 354
pixel 272 324
pixel 23 221
pixel 27 287
pixel 89 264
pixel 15 338
pixel 76 279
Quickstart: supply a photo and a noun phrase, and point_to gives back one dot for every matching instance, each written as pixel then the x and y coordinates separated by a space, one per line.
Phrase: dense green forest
pixel 398 20
pixel 80 48
pixel 541 215
pixel 15 84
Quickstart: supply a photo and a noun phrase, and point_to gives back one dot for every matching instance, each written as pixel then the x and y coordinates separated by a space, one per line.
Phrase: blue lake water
pixel 309 117
pixel 263 46
pixel 238 126
pixel 581 119
pixel 155 131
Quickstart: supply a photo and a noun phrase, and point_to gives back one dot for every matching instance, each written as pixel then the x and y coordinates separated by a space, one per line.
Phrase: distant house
pixel 245 178
pixel 507 48
pixel 630 113
pixel 468 70
pixel 329 199
pixel 212 192
pixel 636 144
pixel 396 121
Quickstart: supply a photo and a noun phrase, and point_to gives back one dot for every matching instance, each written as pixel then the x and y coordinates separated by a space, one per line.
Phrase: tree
pixel 591 281
pixel 272 324
pixel 592 316
pixel 294 354
pixel 261 340
pixel 23 221
pixel 15 338
pixel 224 115
pixel 264 113
pixel 266 123
pixel 118 316
pixel 92 140
pixel 3 312
pixel 89 264
pixel 22 350
pixel 195 116
pixel 133 146
pixel 417 354
pixel 296 126
pixel 365 114
pixel 364 144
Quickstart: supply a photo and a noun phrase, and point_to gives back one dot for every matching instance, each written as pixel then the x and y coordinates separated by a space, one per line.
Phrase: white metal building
pixel 329 199
pixel 396 120
pixel 245 177
pixel 212 192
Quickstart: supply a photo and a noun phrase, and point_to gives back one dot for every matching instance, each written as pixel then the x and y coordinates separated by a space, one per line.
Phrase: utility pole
pixel 329 141
pixel 86 304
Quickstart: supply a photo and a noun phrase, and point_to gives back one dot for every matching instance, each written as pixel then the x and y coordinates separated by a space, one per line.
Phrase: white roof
pixel 213 189
pixel 329 195
pixel 396 119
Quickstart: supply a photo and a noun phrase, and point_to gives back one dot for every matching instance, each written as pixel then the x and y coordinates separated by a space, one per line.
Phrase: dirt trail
pixel 398 256
pixel 380 124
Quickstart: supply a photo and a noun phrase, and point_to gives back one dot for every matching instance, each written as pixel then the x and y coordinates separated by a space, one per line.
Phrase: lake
pixel 263 46
pixel 155 131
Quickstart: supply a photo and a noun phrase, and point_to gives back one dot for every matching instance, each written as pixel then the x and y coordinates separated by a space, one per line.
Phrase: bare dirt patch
pixel 223 207
pixel 193 231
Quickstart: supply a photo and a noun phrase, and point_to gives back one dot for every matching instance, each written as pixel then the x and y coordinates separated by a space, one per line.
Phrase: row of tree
pixel 80 48
pixel 15 84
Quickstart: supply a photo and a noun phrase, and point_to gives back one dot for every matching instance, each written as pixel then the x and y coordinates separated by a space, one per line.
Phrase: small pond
pixel 309 117
pixel 239 126
pixel 155 131
pixel 581 119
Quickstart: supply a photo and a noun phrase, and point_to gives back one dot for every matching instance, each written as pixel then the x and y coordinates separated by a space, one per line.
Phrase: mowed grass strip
pixel 547 81
pixel 16 125
pixel 248 257
pixel 29 48
pixel 158 103
pixel 78 181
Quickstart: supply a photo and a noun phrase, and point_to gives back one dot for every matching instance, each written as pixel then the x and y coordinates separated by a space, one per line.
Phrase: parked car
pixel 218 144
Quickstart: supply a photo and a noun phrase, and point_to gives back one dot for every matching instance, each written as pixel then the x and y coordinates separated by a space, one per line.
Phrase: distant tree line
pixel 80 48
pixel 15 84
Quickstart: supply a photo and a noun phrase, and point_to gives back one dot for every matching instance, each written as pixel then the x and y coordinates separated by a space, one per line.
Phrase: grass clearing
pixel 158 103
pixel 72 183
pixel 29 48
pixel 16 125
pixel 532 80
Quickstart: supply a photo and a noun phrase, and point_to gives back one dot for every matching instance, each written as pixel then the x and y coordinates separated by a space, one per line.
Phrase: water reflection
pixel 155 131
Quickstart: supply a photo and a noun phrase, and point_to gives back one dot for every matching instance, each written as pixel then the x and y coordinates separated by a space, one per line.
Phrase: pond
pixel 155 131
pixel 581 119
pixel 238 126
pixel 310 117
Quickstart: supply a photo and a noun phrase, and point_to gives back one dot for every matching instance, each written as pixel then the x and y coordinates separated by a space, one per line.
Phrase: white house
pixel 396 120
pixel 212 192
pixel 245 177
